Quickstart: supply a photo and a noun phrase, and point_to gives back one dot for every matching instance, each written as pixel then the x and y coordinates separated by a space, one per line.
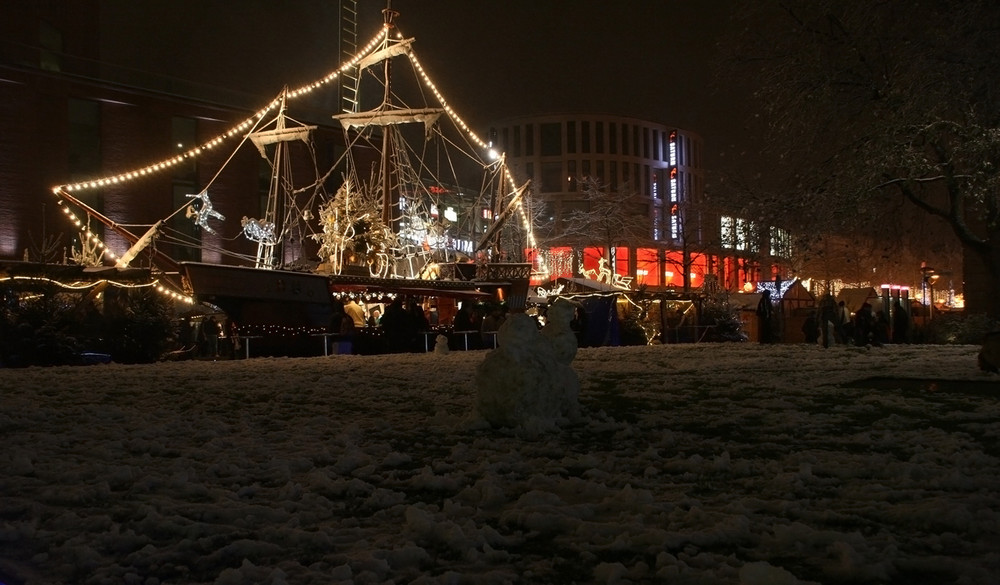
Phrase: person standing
pixel 829 317
pixel 356 313
pixel 490 325
pixel 864 325
pixel 765 317
pixel 810 329
pixel 211 329
pixel 843 323
pixel 900 323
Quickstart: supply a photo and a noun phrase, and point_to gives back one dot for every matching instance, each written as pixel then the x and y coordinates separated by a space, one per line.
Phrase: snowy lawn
pixel 705 464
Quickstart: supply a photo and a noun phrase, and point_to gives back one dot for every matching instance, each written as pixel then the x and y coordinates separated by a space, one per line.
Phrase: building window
pixel 599 137
pixel 551 136
pixel 647 266
pixel 738 234
pixel 571 137
pixel 517 141
pixel 645 143
pixel 50 43
pixel 84 151
pixel 552 177
pixel 571 175
pixel 656 144
pixel 184 137
pixel 585 136
pixel 625 149
pixel 529 140
pixel 84 138
pixel 781 243
pixel 620 257
pixel 727 231
pixel 612 138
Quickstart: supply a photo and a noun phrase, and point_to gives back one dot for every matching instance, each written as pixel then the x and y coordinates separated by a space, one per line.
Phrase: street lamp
pixel 930 276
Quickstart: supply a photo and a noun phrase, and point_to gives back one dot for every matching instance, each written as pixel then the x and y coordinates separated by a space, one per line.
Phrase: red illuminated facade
pixel 660 167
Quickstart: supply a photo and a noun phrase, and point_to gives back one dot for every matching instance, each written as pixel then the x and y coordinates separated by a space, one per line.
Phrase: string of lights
pixel 89 285
pixel 241 128
pixel 475 138
pixel 237 130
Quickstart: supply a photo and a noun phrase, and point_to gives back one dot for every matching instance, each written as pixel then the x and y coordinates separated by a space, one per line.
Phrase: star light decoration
pixel 204 212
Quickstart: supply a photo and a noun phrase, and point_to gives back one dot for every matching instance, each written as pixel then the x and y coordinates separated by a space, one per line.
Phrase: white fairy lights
pixel 86 286
pixel 238 130
pixel 476 139
pixel 246 125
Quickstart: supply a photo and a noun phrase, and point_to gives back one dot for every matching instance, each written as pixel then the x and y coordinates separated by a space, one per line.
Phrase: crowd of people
pixel 834 323
pixel 403 324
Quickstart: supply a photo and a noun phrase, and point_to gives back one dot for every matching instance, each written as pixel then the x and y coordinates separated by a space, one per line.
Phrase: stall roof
pixel 855 297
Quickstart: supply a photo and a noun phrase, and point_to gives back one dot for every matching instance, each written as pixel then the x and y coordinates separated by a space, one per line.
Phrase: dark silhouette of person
pixel 765 317
pixel 864 325
pixel 900 323
pixel 811 329
pixel 843 323
pixel 829 317
pixel 466 321
pixel 210 327
pixel 396 327
pixel 417 326
pixel 579 326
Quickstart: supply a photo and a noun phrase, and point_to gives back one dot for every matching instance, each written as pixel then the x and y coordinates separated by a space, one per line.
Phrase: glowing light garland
pixel 247 124
pixel 238 130
pixel 76 287
pixel 475 138
pixel 86 231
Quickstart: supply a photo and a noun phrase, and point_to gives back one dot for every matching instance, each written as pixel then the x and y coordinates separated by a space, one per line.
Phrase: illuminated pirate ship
pixel 391 216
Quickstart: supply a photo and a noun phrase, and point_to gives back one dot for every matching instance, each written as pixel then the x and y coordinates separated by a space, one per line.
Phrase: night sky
pixel 644 58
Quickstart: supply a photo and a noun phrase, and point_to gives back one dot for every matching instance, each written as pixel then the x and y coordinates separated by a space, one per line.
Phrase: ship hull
pixel 256 298
pixel 286 312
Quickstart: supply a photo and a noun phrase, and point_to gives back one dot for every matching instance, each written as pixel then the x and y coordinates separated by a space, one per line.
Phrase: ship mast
pixel 387 199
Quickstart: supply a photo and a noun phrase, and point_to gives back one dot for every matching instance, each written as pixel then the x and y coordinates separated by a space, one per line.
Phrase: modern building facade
pixel 669 239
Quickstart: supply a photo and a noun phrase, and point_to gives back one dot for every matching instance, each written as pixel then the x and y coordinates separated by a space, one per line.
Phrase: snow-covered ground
pixel 705 464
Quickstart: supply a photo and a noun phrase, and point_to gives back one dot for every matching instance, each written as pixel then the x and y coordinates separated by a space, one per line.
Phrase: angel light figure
pixel 202 214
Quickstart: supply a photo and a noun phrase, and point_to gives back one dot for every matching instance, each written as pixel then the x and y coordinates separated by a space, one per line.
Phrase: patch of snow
pixel 708 463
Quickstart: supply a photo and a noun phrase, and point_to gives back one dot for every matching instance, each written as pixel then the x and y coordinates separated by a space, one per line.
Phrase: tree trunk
pixel 981 271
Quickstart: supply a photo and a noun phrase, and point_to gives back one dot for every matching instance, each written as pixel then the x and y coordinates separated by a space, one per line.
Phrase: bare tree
pixel 871 103
pixel 611 218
